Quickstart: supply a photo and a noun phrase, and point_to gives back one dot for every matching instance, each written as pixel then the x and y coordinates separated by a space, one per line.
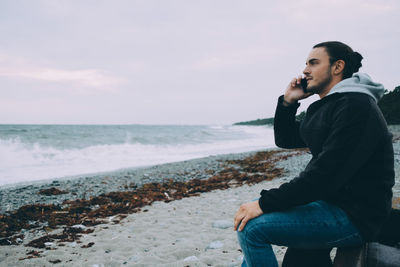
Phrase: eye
pixel 312 62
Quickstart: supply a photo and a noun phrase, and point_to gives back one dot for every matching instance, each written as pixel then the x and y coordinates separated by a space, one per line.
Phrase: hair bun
pixel 356 58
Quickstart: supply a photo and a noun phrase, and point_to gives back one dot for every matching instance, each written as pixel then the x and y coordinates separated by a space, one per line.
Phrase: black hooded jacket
pixel 352 163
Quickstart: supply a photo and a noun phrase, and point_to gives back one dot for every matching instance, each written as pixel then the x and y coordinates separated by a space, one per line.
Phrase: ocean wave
pixel 22 161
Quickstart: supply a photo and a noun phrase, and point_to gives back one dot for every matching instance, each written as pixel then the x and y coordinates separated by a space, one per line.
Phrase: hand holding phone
pixel 296 90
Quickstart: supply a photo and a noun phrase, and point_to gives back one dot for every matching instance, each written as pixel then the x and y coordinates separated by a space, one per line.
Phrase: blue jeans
pixel 317 225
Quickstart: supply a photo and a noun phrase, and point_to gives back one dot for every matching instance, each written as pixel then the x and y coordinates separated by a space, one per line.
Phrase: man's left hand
pixel 245 213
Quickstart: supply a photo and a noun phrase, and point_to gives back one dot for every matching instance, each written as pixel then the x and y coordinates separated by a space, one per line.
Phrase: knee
pixel 242 236
pixel 253 233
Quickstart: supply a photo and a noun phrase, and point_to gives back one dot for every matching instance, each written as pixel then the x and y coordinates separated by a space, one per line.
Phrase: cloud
pixel 87 77
pixel 18 68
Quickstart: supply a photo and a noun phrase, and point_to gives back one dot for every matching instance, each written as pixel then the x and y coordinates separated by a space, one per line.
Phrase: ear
pixel 338 67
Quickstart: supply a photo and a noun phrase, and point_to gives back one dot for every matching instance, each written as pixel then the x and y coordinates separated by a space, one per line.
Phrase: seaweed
pixel 52 191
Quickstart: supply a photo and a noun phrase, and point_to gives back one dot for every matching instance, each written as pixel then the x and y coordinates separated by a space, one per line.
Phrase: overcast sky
pixel 176 61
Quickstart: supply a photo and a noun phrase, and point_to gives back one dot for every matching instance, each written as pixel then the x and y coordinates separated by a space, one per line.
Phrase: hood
pixel 359 83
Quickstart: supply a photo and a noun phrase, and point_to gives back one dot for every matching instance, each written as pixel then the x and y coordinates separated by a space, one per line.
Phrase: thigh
pixel 315 225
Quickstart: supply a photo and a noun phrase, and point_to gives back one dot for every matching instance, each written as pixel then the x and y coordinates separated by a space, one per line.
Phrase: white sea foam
pixel 20 162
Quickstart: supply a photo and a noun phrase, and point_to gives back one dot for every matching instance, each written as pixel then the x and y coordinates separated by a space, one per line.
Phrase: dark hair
pixel 337 50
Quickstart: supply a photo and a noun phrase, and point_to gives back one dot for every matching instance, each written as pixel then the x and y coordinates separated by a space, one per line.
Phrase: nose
pixel 306 70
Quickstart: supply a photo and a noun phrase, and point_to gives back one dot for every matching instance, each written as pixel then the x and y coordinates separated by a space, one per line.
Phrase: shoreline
pixel 119 171
pixel 91 185
pixel 190 231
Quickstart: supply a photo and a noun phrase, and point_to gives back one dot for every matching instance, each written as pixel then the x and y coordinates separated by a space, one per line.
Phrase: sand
pixel 196 231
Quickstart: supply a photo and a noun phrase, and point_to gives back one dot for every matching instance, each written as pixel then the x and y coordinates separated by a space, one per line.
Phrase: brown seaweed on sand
pixel 32 254
pixel 69 234
pixel 89 212
pixel 52 191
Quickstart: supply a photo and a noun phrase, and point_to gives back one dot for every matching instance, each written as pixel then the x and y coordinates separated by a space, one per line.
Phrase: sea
pixel 40 152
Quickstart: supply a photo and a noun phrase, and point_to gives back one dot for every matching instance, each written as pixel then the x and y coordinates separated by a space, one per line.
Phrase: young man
pixel 344 194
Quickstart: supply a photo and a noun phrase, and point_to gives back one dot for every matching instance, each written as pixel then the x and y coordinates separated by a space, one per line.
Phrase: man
pixel 344 194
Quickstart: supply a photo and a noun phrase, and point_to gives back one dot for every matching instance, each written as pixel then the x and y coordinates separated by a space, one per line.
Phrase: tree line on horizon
pixel 389 105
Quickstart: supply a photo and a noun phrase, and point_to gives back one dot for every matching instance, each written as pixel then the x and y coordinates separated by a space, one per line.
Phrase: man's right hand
pixel 294 92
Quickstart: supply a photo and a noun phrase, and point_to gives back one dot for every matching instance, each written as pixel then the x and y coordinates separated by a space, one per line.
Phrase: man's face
pixel 318 70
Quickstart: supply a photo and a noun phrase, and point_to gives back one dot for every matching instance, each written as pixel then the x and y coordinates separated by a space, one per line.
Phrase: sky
pixel 176 61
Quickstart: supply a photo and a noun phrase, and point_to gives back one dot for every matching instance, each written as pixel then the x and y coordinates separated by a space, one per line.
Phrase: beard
pixel 319 87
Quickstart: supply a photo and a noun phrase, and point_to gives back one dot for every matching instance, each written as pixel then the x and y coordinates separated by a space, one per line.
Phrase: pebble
pixel 191 258
pixel 49 244
pixel 215 244
pixel 79 226
pixel 223 224
pixel 133 258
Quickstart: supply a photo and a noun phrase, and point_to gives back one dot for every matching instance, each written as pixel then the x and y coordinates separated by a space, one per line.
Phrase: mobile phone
pixel 303 84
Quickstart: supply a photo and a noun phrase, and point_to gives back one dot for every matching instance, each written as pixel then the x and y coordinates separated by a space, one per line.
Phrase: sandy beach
pixel 187 231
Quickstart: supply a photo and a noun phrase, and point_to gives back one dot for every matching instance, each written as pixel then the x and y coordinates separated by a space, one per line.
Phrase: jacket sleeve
pixel 286 128
pixel 355 133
